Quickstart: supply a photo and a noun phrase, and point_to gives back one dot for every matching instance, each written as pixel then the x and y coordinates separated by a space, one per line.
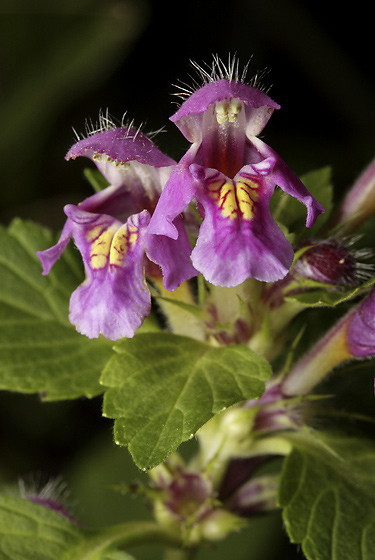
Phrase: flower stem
pixel 122 536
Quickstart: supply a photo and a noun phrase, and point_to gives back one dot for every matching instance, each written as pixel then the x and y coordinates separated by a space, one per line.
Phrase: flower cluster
pixel 141 223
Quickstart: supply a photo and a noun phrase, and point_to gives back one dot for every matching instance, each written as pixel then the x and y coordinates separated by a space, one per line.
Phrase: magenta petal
pixel 229 251
pixel 361 332
pixel 227 256
pixel 129 160
pixel 114 299
pixel 172 255
pixel 121 144
pixel 177 194
pixel 117 201
pixel 259 106
pixel 288 181
pixel 50 256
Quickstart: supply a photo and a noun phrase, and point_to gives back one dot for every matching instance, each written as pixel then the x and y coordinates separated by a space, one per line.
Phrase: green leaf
pixel 115 555
pixel 162 388
pixel 327 492
pixel 40 352
pixel 30 531
pixel 96 179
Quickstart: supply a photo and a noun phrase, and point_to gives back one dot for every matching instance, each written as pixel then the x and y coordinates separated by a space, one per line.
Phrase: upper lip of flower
pixel 220 91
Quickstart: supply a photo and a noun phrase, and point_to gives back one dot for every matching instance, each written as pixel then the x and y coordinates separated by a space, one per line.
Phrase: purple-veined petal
pixel 172 255
pixel 288 181
pixel 238 238
pixel 114 299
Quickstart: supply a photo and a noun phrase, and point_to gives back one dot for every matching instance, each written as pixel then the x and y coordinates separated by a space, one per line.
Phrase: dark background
pixel 63 61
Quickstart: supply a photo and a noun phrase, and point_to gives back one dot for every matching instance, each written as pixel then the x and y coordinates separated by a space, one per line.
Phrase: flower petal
pixel 259 107
pixel 128 159
pixel 121 145
pixel 50 256
pixel 172 255
pixel 177 194
pixel 288 181
pixel 361 332
pixel 114 299
pixel 238 238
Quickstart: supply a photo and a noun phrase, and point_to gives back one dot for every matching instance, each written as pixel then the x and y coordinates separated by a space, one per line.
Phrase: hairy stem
pixel 122 536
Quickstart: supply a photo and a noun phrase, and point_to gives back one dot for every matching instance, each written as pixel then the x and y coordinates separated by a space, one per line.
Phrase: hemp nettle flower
pixel 232 174
pixel 109 229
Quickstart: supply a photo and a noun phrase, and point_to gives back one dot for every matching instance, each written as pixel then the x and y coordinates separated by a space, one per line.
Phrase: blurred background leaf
pixel 53 53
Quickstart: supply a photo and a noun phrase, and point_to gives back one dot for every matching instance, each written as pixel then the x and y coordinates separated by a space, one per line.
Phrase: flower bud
pixel 185 497
pixel 219 524
pixel 359 203
pixel 188 495
pixel 255 496
pixel 329 262
pixel 352 337
pixel 53 495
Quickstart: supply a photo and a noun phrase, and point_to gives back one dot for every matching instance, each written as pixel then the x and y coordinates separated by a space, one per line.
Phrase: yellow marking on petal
pixel 124 239
pixel 214 189
pixel 227 201
pixel 94 233
pixel 247 196
pixel 100 246
pixel 236 199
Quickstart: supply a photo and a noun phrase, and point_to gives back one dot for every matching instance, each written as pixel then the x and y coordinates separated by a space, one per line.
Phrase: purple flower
pixel 232 174
pixel 361 331
pixel 109 229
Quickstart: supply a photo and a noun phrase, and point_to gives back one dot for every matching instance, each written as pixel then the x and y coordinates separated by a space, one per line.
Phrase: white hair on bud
pixel 51 489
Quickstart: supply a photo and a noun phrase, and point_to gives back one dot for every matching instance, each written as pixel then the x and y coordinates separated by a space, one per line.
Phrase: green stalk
pixel 122 536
